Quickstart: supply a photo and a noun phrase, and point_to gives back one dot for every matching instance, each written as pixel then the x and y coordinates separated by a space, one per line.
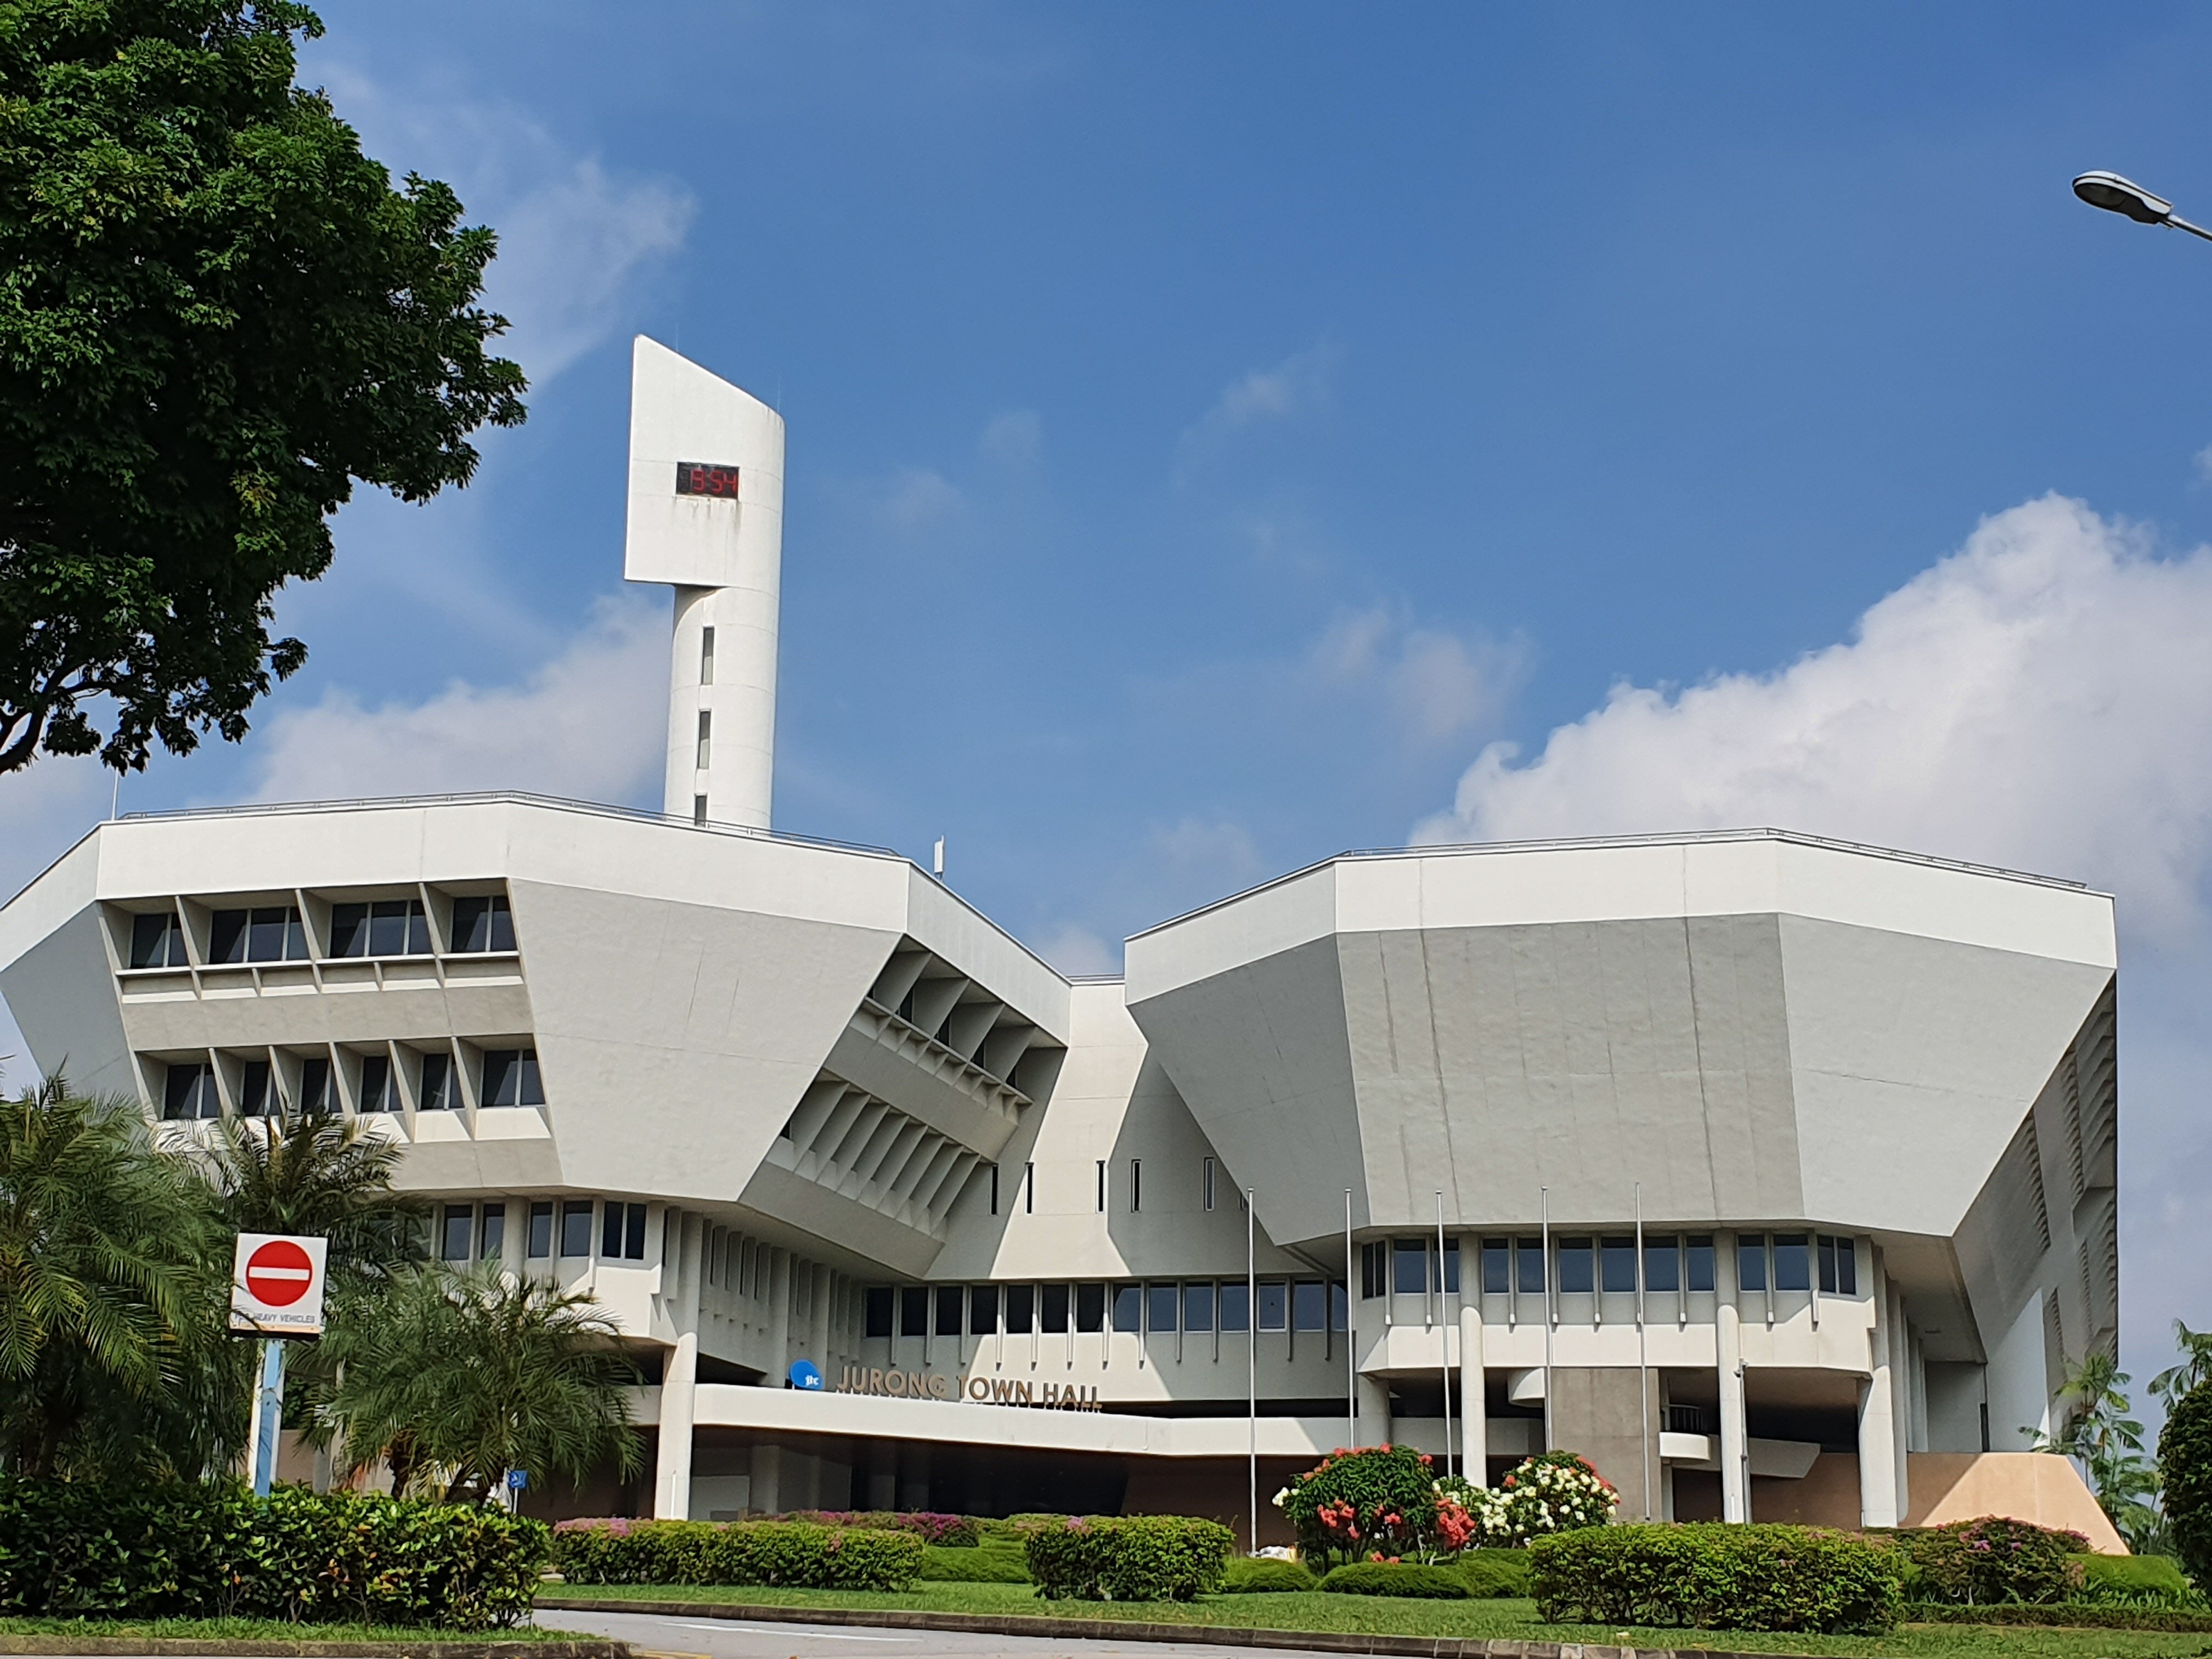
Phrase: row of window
pixel 1582 1264
pixel 382 927
pixel 1159 1308
pixel 565 1228
pixel 505 1076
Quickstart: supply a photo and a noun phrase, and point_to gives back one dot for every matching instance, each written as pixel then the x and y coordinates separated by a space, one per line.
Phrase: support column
pixel 1474 1425
pixel 679 1374
pixel 1894 1306
pixel 768 1478
pixel 1374 1411
pixel 778 1317
pixel 1735 1473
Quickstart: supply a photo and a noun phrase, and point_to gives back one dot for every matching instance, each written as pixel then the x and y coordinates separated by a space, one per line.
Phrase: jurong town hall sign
pixel 988 1390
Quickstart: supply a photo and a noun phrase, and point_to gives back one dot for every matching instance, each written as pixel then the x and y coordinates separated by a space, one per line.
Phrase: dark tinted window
pixel 1451 1267
pixel 576 1226
pixel 1751 1261
pixel 914 1310
pixel 227 937
pixel 1089 1307
pixel 1160 1307
pixel 541 1229
pixel 157 941
pixel 377 1092
pixel 1021 1308
pixel 315 1097
pixel 1793 1266
pixel 1840 1266
pixel 1198 1306
pixel 1409 1268
pixel 453 1238
pixel 494 1235
pixel 1697 1257
pixel 482 924
pixel 1309 1304
pixel 950 1298
pixel 1529 1264
pixel 1374 1269
pixel 253 1088
pixel 189 1091
pixel 633 1232
pixel 1128 1307
pixel 982 1309
pixel 879 1310
pixel 388 927
pixel 1339 1308
pixel 1235 1305
pixel 1052 1308
pixel 1275 1305
pixel 273 934
pixel 1662 1264
pixel 1497 1265
pixel 1575 1265
pixel 441 1089
pixel 510 1077
pixel 1617 1264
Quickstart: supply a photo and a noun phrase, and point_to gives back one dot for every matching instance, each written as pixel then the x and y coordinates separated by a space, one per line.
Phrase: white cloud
pixel 1013 439
pixel 575 237
pixel 916 497
pixel 1436 685
pixel 588 724
pixel 1296 385
pixel 1077 950
pixel 2037 699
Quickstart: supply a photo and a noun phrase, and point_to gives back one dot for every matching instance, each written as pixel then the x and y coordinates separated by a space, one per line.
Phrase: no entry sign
pixel 277 1284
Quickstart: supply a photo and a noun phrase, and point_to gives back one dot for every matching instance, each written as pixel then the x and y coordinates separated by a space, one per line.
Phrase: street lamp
pixel 2114 194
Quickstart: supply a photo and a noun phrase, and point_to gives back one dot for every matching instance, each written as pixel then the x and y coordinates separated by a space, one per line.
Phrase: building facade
pixel 1775 1174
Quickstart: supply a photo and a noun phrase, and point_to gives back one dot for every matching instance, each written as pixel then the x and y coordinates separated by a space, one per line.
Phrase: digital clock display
pixel 706 478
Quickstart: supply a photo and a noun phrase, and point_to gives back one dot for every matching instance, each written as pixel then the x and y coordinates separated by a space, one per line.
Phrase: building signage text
pixel 986 1390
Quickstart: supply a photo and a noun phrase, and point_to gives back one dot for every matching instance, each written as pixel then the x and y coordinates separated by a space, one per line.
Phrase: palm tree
pixel 468 1374
pixel 2097 1432
pixel 2176 1381
pixel 111 1357
pixel 311 1173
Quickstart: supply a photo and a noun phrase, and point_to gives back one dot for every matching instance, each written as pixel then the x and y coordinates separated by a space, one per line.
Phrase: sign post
pixel 277 1294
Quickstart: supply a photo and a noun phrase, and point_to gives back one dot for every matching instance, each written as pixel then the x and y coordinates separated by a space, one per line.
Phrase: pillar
pixel 768 1478
pixel 1735 1473
pixel 1473 1413
pixel 679 1376
pixel 778 1317
pixel 1893 1308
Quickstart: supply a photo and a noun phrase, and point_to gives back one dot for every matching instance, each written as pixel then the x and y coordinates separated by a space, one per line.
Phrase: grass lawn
pixel 273 1630
pixel 1392 1616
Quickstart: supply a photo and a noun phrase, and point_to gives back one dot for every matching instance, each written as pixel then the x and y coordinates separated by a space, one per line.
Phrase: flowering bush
pixel 1375 1503
pixel 1552 1491
pixel 1992 1560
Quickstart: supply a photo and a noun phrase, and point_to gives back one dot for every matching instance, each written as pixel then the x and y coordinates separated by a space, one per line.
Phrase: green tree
pixel 2096 1431
pixel 2185 1467
pixel 465 1374
pixel 112 1361
pixel 315 1173
pixel 2196 1366
pixel 216 314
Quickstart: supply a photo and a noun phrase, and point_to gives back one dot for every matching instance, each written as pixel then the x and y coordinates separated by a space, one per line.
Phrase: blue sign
pixel 804 1375
pixel 518 1479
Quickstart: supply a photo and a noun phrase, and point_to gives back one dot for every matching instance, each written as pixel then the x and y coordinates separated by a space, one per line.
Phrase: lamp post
pixel 2110 192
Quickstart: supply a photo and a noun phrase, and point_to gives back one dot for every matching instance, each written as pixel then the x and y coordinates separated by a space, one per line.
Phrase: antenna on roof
pixel 937 860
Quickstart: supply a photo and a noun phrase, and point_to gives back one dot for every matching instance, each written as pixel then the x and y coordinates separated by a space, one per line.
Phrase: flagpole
pixel 1443 1326
pixel 1642 1357
pixel 1350 1337
pixel 1252 1377
pixel 1544 1214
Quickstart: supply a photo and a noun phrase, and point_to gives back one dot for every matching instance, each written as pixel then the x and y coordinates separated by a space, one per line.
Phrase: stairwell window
pixel 706 739
pixel 1028 1188
pixel 1206 1181
pixel 1136 1185
pixel 1101 1186
pixel 699 811
pixel 706 656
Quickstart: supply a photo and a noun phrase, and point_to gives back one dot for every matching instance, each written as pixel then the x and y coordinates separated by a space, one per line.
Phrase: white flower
pixel 1282 1497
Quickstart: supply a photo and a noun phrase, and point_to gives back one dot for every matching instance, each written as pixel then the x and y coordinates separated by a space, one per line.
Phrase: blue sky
pixel 1212 427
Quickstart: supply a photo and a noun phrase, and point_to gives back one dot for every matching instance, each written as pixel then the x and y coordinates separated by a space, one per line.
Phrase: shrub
pixel 2138 1581
pixel 1395 1579
pixel 1131 1557
pixel 973 1566
pixel 1552 1491
pixel 1249 1575
pixel 1493 1573
pixel 1373 1500
pixel 798 1553
pixel 214 1550
pixel 951 1531
pixel 2184 1471
pixel 1976 1563
pixel 1716 1578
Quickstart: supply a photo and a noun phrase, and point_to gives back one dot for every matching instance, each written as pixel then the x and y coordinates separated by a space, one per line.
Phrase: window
pixel 1698 1260
pixel 315 1098
pixel 1129 1306
pixel 994 1190
pixel 1374 1269
pixel 492 1236
pixel 482 924
pixel 1617 1264
pixel 576 1226
pixel 389 927
pixel 379 1089
pixel 1205 1182
pixel 1052 1314
pixel 541 1229
pixel 1136 1185
pixel 1275 1305
pixel 982 1309
pixel 1751 1261
pixel 1793 1266
pixel 707 669
pixel 1528 1266
pixel 1198 1306
pixel 265 934
pixel 1409 1268
pixel 157 940
pixel 1028 1188
pixel 879 1310
pixel 1021 1309
pixel 1101 1186
pixel 189 1091
pixel 1840 1266
pixel 1160 1307
pixel 1236 1305
pixel 1575 1265
pixel 914 1310
pixel 1339 1308
pixel 699 810
pixel 1497 1265
pixel 510 1077
pixel 253 1088
pixel 949 1300
pixel 1309 1304
pixel 706 739
pixel 442 1086
pixel 454 1236
pixel 1452 1267
pixel 1663 1262
pixel 622 1232
pixel 1089 1307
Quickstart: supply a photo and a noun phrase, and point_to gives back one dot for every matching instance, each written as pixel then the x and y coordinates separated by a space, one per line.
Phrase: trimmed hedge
pixel 1495 1573
pixel 2058 1615
pixel 216 1552
pixel 1249 1575
pixel 1992 1560
pixel 1395 1579
pixel 2138 1581
pixel 1717 1576
pixel 973 1566
pixel 796 1553
pixel 947 1531
pixel 1130 1558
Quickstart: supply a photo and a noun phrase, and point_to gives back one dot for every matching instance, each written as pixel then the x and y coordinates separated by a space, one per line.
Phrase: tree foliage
pixel 2184 1466
pixel 2096 1431
pixel 216 314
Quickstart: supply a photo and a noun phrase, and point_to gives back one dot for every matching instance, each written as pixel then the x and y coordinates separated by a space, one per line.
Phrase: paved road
pixel 736 1639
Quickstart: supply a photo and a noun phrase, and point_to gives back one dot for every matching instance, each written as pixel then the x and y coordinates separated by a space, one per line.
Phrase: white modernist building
pixel 1775 1174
